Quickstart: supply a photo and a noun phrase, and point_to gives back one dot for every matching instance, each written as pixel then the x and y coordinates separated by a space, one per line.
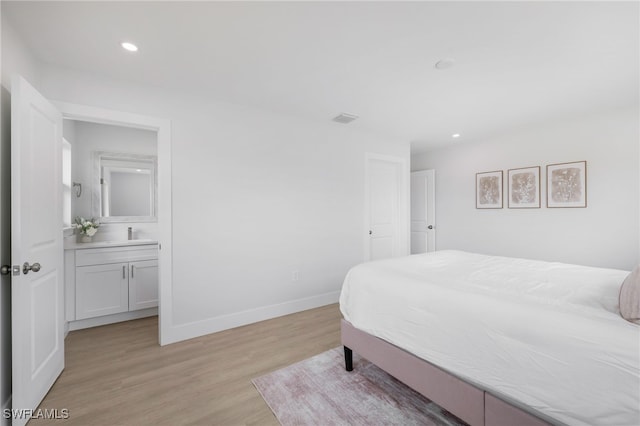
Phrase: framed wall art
pixel 524 188
pixel 567 184
pixel 489 190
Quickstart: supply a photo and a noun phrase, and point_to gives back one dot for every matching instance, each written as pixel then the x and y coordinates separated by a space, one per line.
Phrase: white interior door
pixel 423 212
pixel 36 242
pixel 386 207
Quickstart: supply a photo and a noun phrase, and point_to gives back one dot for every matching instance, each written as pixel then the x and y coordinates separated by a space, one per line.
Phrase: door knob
pixel 430 227
pixel 370 232
pixel 5 270
pixel 26 267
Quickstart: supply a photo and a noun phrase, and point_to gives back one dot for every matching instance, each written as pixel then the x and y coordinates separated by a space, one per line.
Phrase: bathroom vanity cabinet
pixel 107 282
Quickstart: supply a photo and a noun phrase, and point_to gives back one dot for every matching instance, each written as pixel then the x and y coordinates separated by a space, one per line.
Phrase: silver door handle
pixel 26 267
pixel 132 270
pixel 124 271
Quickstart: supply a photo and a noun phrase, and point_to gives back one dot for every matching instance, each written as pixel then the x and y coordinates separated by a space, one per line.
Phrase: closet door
pixel 423 200
pixel 386 205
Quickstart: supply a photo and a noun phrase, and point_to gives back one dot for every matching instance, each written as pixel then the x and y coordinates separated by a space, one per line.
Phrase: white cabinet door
pixel 102 290
pixel 143 284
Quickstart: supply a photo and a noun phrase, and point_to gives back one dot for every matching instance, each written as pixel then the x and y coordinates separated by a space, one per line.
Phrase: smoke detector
pixel 345 118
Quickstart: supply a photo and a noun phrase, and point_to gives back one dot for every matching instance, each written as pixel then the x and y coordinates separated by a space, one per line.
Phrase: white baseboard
pixel 6 405
pixel 225 322
pixel 110 319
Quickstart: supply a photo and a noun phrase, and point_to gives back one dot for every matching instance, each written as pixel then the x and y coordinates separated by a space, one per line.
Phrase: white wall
pixel 256 196
pixel 606 233
pixel 90 137
pixel 15 58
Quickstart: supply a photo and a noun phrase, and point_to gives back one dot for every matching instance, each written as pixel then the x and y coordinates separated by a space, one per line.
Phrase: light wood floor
pixel 118 375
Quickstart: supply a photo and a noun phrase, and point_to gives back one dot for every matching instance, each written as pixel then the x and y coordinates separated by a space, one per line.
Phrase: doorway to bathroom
pixel 111 224
pixel 119 175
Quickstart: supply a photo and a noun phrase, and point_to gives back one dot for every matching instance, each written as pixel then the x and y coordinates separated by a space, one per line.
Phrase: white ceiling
pixel 515 62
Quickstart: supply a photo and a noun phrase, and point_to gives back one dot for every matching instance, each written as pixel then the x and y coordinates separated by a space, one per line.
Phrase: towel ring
pixel 78 187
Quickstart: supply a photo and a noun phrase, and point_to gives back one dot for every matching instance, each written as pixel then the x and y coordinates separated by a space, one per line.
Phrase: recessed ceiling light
pixel 445 63
pixel 455 135
pixel 129 46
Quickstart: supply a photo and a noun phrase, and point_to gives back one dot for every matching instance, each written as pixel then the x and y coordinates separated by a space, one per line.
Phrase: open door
pixel 37 299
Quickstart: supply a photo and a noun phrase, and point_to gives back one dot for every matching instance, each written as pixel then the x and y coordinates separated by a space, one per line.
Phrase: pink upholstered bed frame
pixel 469 403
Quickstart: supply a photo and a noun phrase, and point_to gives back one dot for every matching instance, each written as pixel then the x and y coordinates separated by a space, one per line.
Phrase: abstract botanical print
pixel 524 188
pixel 489 190
pixel 566 185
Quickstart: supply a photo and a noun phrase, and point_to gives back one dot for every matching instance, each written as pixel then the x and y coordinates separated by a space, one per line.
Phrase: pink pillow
pixel 630 296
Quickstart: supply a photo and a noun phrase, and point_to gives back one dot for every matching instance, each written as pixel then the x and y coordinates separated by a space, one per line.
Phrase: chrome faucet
pixel 130 233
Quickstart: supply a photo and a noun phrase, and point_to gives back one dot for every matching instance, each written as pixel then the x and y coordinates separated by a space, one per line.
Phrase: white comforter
pixel 538 334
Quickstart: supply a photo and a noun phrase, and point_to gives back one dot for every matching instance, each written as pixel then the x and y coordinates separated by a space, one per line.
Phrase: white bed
pixel 546 336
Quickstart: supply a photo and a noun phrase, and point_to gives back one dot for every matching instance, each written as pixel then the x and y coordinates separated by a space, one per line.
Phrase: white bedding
pixel 538 334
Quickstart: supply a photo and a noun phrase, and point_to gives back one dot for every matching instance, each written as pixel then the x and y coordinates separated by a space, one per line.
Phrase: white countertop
pixel 71 244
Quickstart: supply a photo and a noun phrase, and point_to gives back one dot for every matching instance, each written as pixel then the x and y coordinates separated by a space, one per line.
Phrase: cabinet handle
pixel 132 267
pixel 124 271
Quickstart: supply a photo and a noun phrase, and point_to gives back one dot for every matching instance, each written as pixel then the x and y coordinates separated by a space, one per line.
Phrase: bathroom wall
pixel 86 138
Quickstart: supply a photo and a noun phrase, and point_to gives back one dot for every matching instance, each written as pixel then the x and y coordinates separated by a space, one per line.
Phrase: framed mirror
pixel 125 187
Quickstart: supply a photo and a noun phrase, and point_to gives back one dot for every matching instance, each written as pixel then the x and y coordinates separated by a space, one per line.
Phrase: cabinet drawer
pixel 101 256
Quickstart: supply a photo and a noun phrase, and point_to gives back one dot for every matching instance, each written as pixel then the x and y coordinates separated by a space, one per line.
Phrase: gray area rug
pixel 319 391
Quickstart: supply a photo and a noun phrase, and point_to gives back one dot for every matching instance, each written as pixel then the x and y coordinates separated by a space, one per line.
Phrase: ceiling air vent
pixel 345 118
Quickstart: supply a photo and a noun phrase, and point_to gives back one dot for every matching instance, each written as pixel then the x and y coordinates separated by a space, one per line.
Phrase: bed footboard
pixel 467 402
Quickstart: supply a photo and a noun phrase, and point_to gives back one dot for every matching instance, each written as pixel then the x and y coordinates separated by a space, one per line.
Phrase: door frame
pixel 430 200
pixel 5 252
pixel 404 211
pixel 162 127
